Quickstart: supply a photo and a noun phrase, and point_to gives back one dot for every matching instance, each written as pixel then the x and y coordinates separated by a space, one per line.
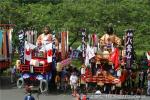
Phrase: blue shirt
pixel 29 97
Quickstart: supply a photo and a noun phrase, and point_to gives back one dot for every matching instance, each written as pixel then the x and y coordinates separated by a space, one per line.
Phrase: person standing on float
pixel 45 38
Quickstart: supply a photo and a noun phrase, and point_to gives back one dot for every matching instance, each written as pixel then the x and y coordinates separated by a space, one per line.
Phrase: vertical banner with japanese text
pixel 21 36
pixel 83 44
pixel 129 48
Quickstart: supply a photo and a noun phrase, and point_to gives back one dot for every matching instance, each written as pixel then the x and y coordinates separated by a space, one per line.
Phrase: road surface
pixel 9 91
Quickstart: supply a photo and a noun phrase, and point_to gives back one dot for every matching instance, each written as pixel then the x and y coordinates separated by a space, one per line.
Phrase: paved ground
pixel 11 92
pixel 17 94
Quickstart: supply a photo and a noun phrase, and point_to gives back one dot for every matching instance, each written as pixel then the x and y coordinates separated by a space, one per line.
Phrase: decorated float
pixel 106 59
pixel 39 64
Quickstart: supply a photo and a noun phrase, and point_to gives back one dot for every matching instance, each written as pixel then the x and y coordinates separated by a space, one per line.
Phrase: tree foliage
pixel 72 15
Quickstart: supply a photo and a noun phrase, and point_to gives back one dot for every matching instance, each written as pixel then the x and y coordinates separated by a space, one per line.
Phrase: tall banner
pixel 129 48
pixel 21 35
pixel 83 44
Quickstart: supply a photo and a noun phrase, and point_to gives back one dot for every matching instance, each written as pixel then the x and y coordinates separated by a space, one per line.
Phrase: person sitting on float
pixel 110 38
pixel 45 39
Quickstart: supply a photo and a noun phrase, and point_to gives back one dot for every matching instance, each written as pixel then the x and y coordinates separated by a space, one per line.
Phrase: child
pixel 29 95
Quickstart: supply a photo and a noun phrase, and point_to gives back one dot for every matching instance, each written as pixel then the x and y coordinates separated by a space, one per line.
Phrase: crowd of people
pixel 135 84
pixel 69 80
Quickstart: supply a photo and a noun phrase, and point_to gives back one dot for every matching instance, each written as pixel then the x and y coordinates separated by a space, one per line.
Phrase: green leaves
pixel 72 15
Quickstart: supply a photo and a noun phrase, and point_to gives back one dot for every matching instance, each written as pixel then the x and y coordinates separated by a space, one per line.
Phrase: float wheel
pixel 43 86
pixel 20 83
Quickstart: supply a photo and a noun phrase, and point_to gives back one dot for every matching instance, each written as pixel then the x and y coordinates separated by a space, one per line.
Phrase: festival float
pixel 5 45
pixel 38 65
pixel 106 59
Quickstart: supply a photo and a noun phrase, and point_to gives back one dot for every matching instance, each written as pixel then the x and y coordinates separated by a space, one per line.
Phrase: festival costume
pixel 44 39
pixel 104 40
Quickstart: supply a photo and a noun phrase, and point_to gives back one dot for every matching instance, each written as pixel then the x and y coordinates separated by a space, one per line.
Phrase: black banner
pixel 21 36
pixel 129 48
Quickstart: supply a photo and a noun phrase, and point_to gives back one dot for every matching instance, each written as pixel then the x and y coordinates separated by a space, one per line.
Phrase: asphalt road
pixel 9 91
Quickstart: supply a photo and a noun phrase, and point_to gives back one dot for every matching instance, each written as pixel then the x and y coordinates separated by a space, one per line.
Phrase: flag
pixel 115 58
pixel 49 56
pixel 89 54
pixel 27 55
pixel 28 51
pixel 49 52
